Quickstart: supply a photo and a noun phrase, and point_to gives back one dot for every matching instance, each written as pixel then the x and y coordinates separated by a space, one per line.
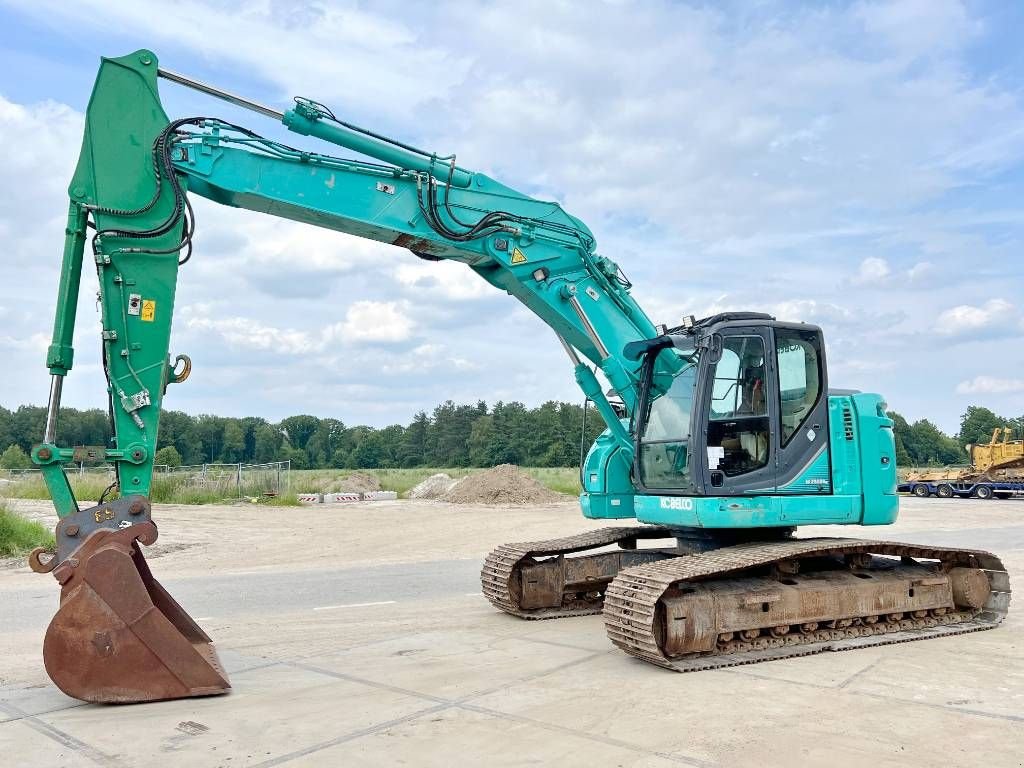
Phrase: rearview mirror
pixel 715 348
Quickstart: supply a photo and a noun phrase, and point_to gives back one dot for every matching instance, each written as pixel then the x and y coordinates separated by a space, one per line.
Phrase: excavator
pixel 721 434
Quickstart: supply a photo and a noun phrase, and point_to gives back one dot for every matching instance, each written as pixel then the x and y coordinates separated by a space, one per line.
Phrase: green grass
pixel 86 487
pixel 18 535
pixel 398 480
pixel 560 479
pixel 289 499
pixel 178 489
pixel 166 489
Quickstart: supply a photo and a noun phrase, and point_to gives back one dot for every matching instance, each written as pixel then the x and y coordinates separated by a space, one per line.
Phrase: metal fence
pixel 71 469
pixel 238 480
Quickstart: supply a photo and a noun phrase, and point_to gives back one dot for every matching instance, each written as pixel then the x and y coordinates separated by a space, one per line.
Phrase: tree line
pixel 451 435
pixel 922 444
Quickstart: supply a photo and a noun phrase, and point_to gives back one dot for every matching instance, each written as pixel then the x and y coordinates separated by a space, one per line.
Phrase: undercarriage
pixel 713 601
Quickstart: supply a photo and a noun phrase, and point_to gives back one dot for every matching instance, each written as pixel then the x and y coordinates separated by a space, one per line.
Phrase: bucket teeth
pixel 118 636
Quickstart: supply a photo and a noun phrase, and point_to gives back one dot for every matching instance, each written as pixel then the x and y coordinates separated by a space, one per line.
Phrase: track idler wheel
pixel 118 636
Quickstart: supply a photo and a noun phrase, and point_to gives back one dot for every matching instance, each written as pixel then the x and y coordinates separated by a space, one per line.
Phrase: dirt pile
pixel 505 484
pixel 434 487
pixel 357 482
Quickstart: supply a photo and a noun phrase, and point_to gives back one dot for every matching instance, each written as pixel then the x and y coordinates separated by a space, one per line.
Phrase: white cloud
pixel 365 321
pixel 773 157
pixel 995 314
pixel 376 321
pixel 835 318
pixel 246 333
pixel 446 279
pixel 272 242
pixel 427 357
pixel 872 271
pixel 864 366
pixel 37 342
pixel 920 270
pixel 989 385
pixel 340 45
pixel 917 27
pixel 810 311
pixel 33 196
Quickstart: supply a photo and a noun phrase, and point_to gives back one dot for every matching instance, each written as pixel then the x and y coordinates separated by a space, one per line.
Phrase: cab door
pixel 736 419
pixel 801 441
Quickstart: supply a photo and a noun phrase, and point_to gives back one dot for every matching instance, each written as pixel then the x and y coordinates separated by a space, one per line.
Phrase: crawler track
pixel 632 615
pixel 500 575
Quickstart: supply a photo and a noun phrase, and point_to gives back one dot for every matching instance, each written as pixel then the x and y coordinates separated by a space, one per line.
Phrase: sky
pixel 859 165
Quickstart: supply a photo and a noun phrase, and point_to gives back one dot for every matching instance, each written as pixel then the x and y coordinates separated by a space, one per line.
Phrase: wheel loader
pixel 722 435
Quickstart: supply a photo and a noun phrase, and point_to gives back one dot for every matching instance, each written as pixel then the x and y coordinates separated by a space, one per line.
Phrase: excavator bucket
pixel 118 636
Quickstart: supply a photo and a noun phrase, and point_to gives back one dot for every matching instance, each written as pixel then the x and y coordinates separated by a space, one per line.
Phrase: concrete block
pixel 380 496
pixel 341 498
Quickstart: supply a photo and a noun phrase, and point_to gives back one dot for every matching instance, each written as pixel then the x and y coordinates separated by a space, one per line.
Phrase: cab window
pixel 738 427
pixel 665 424
pixel 799 378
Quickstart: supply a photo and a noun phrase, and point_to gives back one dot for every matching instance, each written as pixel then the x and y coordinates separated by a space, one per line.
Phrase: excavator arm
pixel 129 202
pixel 132 183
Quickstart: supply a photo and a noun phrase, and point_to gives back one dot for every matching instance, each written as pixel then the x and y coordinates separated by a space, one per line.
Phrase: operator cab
pixel 734 404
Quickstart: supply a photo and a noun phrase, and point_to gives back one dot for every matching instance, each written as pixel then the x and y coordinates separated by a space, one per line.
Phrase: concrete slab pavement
pixel 442 679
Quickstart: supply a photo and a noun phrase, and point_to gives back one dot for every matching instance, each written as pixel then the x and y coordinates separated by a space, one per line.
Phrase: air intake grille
pixel 848 423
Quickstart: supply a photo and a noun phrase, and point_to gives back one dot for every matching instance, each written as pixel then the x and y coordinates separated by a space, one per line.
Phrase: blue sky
pixel 858 165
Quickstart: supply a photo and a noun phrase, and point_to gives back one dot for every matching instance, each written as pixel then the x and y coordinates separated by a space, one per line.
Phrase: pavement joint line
pixel 440 699
pixel 945 707
pixel 352 735
pixel 694 762
pixel 880 696
pixel 463 703
pixel 356 647
pixel 370 683
pixel 858 673
pixel 354 605
pixel 370 643
pixel 769 678
pixel 25 715
pixel 532 677
pixel 315 654
pixel 558 644
pixel 65 739
pixel 254 668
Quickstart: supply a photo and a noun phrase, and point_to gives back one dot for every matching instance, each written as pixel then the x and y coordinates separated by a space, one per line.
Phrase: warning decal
pixel 148 310
pixel 518 257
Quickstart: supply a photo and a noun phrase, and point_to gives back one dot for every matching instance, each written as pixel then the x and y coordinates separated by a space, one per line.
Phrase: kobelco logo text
pixel 676 503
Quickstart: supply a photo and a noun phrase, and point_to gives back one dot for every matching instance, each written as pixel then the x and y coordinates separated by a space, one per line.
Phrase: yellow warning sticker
pixel 148 310
pixel 518 257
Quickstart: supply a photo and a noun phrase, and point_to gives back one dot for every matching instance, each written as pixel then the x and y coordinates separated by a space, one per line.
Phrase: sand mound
pixel 357 482
pixel 505 484
pixel 434 487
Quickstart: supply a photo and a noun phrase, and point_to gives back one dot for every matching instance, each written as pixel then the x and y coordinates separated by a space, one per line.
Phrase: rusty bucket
pixel 118 636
